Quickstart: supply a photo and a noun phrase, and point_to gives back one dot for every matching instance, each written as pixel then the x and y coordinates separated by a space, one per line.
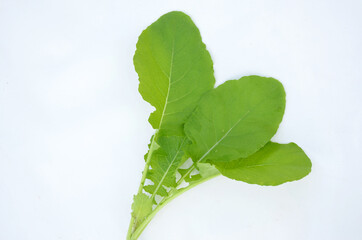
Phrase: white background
pixel 73 127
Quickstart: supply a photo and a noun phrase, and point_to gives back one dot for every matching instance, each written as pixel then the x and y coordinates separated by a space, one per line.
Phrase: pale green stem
pixel 147 165
pixel 163 203
pixel 143 179
pixel 132 233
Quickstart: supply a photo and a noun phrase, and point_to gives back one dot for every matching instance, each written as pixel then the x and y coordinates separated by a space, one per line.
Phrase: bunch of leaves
pixel 224 130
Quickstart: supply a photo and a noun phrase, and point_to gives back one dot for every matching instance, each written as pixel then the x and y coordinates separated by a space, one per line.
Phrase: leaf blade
pixel 235 119
pixel 174 69
pixel 141 207
pixel 272 165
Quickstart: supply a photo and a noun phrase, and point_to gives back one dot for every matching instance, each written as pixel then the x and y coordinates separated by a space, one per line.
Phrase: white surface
pixel 73 127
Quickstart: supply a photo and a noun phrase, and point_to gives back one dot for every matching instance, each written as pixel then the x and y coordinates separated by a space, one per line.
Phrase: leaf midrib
pixel 224 136
pixel 169 84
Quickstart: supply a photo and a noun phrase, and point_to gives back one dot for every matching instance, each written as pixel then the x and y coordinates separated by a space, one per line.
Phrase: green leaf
pixel 272 165
pixel 164 163
pixel 207 170
pixel 236 119
pixel 174 70
pixel 141 207
pixel 225 130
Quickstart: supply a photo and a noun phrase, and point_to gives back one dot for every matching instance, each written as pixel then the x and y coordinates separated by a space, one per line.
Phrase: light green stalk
pixel 134 233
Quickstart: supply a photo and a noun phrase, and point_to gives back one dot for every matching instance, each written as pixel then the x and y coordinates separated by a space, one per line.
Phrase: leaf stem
pixel 147 165
pixel 143 179
pixel 163 203
pixel 133 233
